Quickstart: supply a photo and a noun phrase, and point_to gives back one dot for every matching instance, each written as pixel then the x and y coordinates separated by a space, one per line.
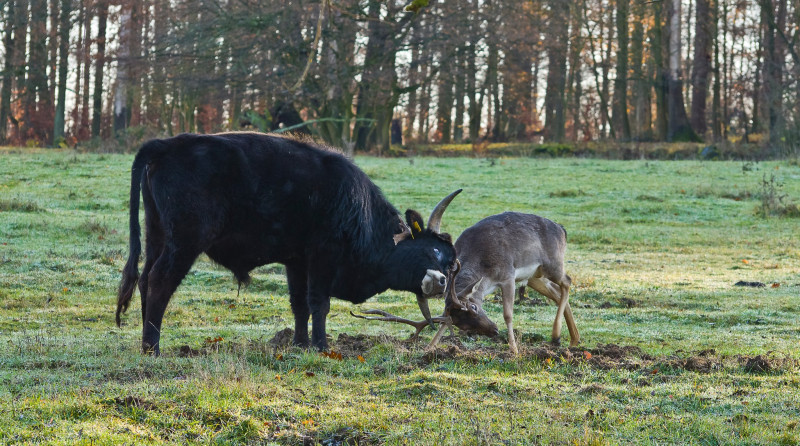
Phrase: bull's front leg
pixel 319 302
pixel 297 279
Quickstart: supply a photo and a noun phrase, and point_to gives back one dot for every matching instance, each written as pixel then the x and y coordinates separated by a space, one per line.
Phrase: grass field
pixel 672 352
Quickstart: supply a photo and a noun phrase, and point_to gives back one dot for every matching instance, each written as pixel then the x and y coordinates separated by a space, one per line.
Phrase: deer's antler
pixel 451 298
pixel 418 325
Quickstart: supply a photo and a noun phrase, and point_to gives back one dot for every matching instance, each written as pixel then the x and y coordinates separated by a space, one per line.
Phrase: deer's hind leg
pixel 559 294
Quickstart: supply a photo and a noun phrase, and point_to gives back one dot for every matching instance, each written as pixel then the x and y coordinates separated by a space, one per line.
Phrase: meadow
pixel 673 352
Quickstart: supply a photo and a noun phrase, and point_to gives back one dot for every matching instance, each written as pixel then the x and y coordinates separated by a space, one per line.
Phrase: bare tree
pixel 704 27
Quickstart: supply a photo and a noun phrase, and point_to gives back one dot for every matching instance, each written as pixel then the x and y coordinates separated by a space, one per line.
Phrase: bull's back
pixel 247 199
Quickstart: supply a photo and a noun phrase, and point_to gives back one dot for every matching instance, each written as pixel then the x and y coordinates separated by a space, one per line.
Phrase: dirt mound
pixel 353 346
pixel 759 364
pixel 282 339
pixel 441 353
pixel 188 352
pixel 701 364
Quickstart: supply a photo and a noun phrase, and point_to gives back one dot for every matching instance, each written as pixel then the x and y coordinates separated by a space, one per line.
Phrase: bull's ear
pixel 415 222
pixel 446 237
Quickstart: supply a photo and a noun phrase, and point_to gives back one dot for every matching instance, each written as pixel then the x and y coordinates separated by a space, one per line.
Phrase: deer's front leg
pixel 508 289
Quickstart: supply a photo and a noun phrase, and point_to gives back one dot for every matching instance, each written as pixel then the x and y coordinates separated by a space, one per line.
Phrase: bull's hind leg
pixel 297 279
pixel 164 277
pixel 154 247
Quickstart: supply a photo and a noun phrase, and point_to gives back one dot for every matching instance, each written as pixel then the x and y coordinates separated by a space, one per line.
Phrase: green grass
pixel 654 250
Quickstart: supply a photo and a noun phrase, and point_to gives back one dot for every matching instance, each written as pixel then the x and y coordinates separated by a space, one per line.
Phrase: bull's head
pixel 428 253
pixel 466 312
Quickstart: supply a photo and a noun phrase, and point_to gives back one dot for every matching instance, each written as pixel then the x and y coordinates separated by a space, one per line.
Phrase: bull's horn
pixel 436 216
pixel 422 301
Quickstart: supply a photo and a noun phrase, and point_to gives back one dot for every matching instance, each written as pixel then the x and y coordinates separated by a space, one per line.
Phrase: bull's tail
pixel 130 274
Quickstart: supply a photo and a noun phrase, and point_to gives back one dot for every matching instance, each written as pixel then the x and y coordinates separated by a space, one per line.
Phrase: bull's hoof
pixel 556 342
pixel 150 350
pixel 301 342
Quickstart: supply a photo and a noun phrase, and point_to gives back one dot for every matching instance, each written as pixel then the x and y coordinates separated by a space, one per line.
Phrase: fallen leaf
pixel 745 261
pixel 308 422
pixel 776 285
pixel 310 374
pixel 587 355
pixel 361 358
pixel 216 319
pixel 278 377
pixel 279 357
pixel 654 372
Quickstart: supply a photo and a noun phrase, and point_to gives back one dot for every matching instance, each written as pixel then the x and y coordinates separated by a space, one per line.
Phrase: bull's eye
pixel 438 254
pixel 474 307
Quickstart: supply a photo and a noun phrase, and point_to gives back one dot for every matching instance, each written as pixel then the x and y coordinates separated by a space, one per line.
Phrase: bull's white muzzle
pixel 434 283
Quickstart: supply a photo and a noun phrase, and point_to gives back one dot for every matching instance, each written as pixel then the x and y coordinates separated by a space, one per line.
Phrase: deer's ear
pixel 415 222
pixel 476 286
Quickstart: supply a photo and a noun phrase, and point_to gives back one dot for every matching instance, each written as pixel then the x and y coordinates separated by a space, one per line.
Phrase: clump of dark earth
pixel 187 352
pixel 700 364
pixel 282 339
pixel 758 364
pixel 750 284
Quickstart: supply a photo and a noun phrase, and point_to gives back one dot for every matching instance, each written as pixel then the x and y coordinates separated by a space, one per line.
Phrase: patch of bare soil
pixel 282 339
pixel 760 363
pixel 188 352
pixel 352 346
pixel 442 353
pixel 701 364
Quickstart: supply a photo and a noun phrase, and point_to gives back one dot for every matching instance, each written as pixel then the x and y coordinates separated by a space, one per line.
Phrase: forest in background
pixel 363 74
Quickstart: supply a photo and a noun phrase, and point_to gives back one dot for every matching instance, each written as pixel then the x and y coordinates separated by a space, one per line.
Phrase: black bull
pixel 248 199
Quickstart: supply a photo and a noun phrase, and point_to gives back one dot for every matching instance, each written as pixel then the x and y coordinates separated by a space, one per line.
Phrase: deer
pixel 502 251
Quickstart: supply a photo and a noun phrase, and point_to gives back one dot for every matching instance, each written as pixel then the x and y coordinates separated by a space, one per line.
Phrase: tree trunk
pixel 620 104
pixel 606 68
pixel 121 105
pixel 556 77
pixel 641 91
pixel 9 44
pixel 716 101
pixel 773 16
pixel 458 122
pixel 376 96
pixel 474 106
pixel 63 58
pixel 38 119
pixel 444 108
pixel 702 64
pixel 97 102
pixel 678 122
pixel 84 56
pixel 660 52
pixel 574 79
pixel 496 126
